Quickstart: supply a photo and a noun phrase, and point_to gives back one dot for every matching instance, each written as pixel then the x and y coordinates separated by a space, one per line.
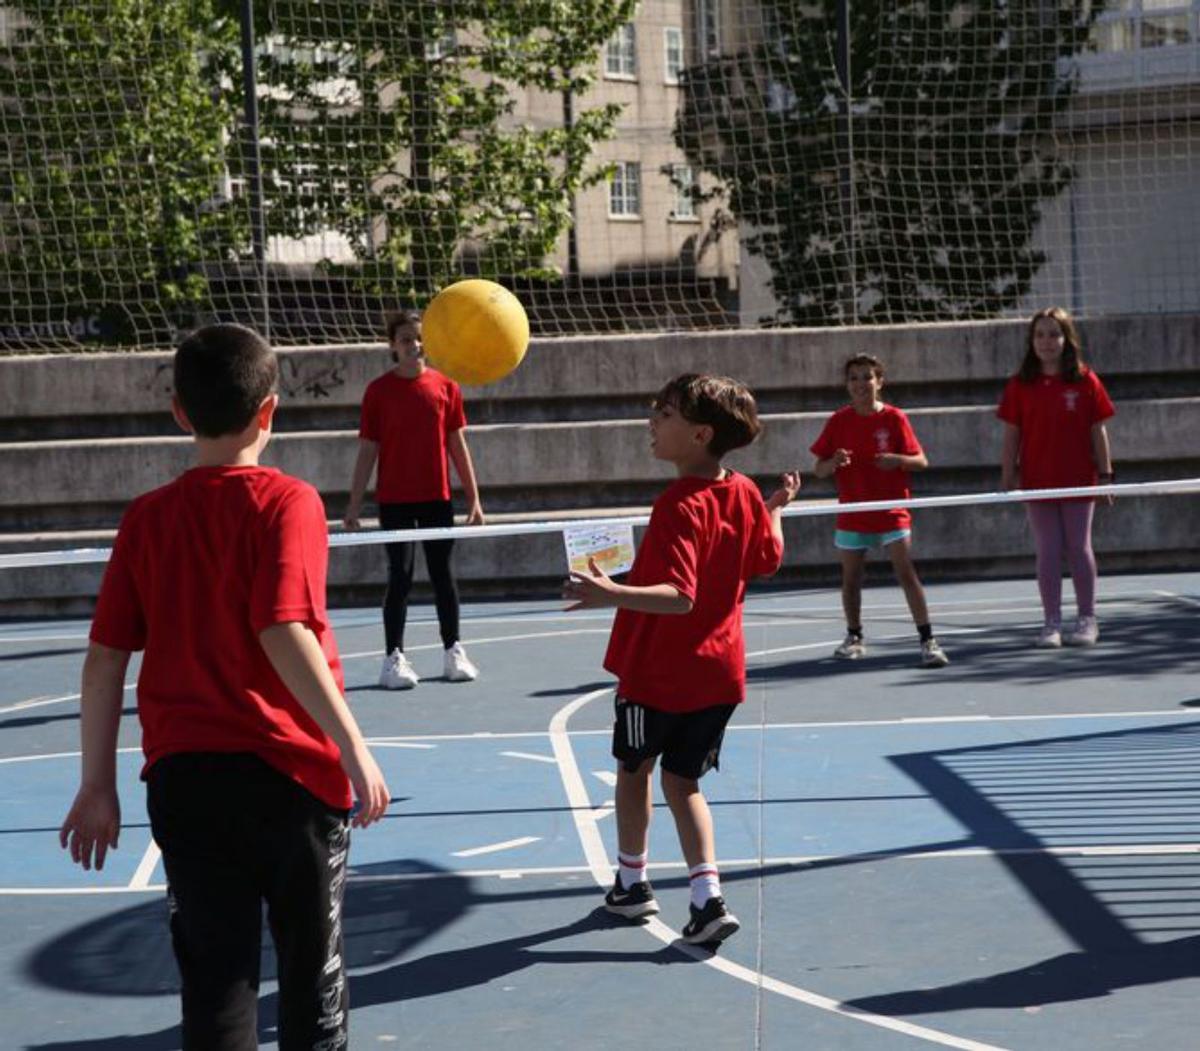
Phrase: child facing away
pixel 412 421
pixel 250 749
pixel 1054 410
pixel 869 448
pixel 677 646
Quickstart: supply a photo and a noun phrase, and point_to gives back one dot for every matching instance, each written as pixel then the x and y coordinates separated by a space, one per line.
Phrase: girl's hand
pixel 888 461
pixel 841 458
pixel 475 514
pixel 789 486
pixel 591 590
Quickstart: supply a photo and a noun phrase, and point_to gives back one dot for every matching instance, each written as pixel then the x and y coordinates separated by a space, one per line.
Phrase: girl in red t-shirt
pixel 1054 410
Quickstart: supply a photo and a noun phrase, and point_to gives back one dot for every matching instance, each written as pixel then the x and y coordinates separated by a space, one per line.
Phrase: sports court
pixel 1003 853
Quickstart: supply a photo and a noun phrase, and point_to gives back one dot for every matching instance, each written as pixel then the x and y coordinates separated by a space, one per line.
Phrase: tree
pixel 393 124
pixel 116 149
pixel 917 197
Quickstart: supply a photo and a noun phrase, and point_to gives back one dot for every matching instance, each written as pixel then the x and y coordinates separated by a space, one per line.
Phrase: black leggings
pixel 401 559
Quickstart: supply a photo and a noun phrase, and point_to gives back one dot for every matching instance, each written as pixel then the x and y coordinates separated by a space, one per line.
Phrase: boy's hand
pixel 789 486
pixel 475 514
pixel 841 458
pixel 888 461
pixel 350 520
pixel 92 826
pixel 370 789
pixel 591 590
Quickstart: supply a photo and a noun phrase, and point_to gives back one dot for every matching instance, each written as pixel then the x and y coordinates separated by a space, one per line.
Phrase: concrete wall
pixel 573 436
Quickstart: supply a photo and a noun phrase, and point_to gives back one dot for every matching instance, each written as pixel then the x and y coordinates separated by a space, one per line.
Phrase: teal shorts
pixel 849 540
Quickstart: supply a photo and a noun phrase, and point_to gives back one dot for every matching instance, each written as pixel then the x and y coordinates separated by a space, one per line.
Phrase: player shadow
pixel 129 954
pixel 574 691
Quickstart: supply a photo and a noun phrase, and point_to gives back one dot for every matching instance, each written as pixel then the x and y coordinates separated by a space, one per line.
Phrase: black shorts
pixel 689 742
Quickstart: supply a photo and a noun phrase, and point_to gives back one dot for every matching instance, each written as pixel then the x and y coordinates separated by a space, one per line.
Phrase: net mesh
pixel 654 166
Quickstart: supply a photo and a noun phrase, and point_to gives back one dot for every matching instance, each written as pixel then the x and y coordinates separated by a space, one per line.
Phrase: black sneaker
pixel 634 903
pixel 711 924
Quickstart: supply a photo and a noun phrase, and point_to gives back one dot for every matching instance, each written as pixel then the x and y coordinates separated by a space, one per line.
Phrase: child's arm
pixel 296 656
pixel 596 590
pixel 825 468
pixel 94 821
pixel 1008 457
pixel 460 456
pixel 364 464
pixel 1102 454
pixel 789 486
pixel 907 461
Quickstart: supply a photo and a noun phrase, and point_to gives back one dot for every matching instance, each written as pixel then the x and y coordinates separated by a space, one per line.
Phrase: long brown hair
pixel 1073 367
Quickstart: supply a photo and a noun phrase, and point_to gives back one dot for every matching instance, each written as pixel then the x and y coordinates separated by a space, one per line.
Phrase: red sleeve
pixel 1102 406
pixel 1010 402
pixel 907 438
pixel 456 416
pixel 766 548
pixel 368 421
pixel 289 577
pixel 669 553
pixel 826 444
pixel 120 619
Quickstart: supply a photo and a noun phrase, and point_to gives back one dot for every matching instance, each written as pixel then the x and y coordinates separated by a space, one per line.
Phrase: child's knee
pixel 677 787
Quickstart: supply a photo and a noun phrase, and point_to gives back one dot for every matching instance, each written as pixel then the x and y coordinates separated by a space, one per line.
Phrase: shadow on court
pixel 1135 916
pixel 129 953
pixel 45 720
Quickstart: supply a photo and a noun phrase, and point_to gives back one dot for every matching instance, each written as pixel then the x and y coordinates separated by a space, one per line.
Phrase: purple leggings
pixel 1064 526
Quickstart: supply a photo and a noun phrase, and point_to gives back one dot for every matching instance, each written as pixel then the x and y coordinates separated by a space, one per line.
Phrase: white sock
pixel 706 883
pixel 632 868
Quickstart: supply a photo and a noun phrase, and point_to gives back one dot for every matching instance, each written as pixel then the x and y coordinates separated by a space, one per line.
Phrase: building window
pixel 620 54
pixel 673 53
pixel 708 27
pixel 1134 24
pixel 683 179
pixel 625 190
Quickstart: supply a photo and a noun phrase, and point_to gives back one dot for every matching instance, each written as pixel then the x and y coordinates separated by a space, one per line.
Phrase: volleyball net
pixel 620 166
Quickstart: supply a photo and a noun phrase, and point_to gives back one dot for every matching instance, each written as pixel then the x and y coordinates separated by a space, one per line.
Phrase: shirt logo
pixel 882 440
pixel 1071 397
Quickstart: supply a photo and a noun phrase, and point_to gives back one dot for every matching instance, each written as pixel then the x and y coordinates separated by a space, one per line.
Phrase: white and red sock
pixel 632 868
pixel 705 883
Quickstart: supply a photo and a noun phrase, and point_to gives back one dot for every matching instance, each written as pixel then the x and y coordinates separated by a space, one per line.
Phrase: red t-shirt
pixel 706 538
pixel 411 420
pixel 199 568
pixel 885 431
pixel 1055 419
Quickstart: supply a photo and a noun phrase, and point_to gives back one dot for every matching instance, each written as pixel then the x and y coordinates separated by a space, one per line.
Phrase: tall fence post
pixel 846 182
pixel 253 160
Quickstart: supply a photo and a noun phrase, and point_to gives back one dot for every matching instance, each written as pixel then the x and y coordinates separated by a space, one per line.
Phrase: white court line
pixel 483 642
pixel 492 848
pixel 601 870
pixel 145 869
pixel 607 776
pixel 530 755
pixel 730 864
pixel 21 706
pixel 403 744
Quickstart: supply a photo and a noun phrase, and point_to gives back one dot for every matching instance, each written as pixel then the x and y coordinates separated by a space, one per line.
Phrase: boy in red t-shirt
pixel 412 421
pixel 869 448
pixel 677 647
pixel 250 748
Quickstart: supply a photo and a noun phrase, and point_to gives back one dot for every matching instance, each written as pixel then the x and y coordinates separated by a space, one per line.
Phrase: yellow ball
pixel 475 331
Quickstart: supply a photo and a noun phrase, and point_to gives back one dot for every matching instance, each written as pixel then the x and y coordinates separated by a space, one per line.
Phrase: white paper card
pixel 610 545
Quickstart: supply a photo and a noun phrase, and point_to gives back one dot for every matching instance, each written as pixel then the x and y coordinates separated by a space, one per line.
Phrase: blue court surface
pixel 1004 853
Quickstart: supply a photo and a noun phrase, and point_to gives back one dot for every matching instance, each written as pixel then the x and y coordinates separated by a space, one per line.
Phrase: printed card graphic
pixel 610 545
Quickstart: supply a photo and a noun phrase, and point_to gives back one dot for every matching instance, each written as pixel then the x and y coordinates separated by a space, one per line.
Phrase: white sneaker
pixel 1050 638
pixel 397 673
pixel 458 665
pixel 932 655
pixel 1085 633
pixel 852 648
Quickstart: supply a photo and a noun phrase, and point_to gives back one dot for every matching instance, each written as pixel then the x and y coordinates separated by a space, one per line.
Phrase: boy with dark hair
pixel 677 646
pixel 413 424
pixel 869 448
pixel 250 748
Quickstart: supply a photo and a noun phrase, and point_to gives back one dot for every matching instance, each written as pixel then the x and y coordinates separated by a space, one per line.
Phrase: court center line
pixel 601 871
pixel 493 848
pixel 531 756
